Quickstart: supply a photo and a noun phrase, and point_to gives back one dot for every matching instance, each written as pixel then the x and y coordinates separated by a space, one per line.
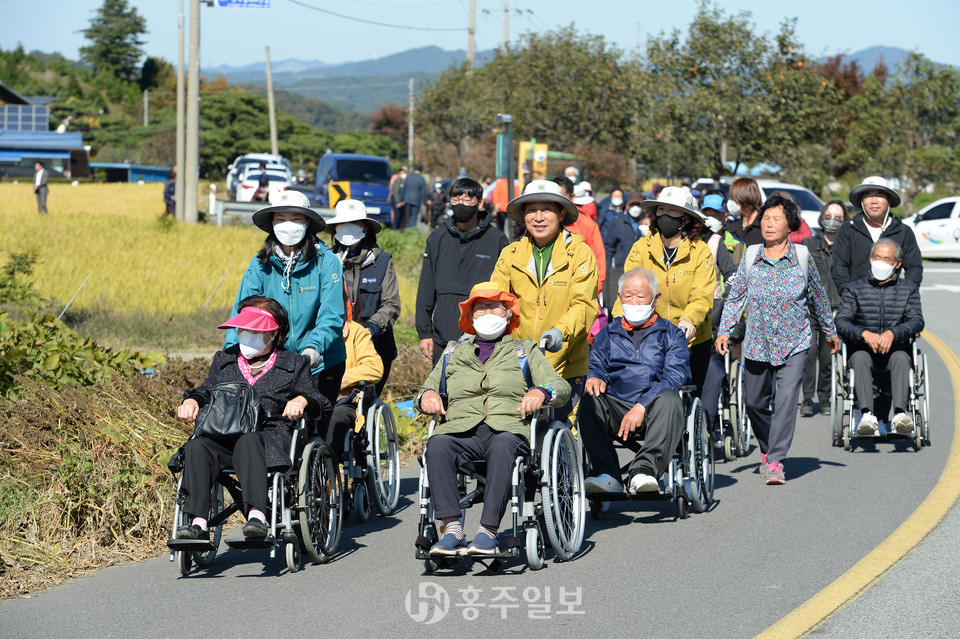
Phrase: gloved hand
pixel 551 340
pixel 315 359
pixel 372 327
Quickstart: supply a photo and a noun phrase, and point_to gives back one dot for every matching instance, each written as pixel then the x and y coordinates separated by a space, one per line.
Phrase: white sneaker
pixel 602 484
pixel 902 424
pixel 641 483
pixel 868 425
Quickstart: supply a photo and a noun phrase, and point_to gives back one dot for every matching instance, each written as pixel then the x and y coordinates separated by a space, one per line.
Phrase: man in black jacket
pixel 878 316
pixel 856 238
pixel 460 252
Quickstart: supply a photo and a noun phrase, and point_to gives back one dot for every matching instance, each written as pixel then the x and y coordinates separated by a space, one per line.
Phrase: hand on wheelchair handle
pixel 722 344
pixel 314 356
pixel 188 410
pixel 551 340
pixel 834 344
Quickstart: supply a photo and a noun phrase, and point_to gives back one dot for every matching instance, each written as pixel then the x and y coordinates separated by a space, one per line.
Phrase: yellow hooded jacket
pixel 567 299
pixel 686 288
pixel 363 363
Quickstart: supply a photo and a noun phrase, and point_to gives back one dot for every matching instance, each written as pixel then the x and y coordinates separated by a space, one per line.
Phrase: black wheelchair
pixel 733 414
pixel 689 479
pixel 305 509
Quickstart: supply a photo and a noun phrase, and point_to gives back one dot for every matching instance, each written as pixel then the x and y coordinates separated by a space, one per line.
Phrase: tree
pixel 115 40
pixel 391 120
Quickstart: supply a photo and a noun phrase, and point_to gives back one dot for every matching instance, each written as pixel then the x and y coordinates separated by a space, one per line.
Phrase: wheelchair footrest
pixel 243 543
pixel 190 545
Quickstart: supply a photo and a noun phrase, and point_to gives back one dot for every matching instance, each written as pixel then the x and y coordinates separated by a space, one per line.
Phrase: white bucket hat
pixel 873 183
pixel 542 191
pixel 352 211
pixel 675 198
pixel 582 194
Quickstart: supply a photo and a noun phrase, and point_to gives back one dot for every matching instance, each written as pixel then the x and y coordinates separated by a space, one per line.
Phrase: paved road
pixel 732 572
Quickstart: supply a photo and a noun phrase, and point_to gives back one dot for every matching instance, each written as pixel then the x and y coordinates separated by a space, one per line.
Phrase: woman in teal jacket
pixel 306 278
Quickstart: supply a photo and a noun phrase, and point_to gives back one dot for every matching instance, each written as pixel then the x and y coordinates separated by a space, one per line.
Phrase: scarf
pixel 244 364
pixel 289 262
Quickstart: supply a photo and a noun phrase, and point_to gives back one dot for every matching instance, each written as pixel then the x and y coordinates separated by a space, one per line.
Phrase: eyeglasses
pixel 463 199
pixel 874 195
pixel 482 308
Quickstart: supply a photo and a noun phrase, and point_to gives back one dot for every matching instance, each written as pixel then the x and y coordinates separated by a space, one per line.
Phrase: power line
pixel 379 24
pixel 393 4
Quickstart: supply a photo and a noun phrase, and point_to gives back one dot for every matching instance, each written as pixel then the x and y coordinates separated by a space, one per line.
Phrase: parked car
pixel 279 181
pixel 236 167
pixel 359 177
pixel 937 227
pixel 810 204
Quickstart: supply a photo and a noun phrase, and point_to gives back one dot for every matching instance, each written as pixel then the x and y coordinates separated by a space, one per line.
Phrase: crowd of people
pixel 603 313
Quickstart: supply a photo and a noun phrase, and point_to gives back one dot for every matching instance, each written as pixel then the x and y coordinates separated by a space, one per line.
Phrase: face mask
pixel 713 224
pixel 831 225
pixel 669 226
pixel 616 201
pixel 881 271
pixel 349 234
pixel 733 208
pixel 464 212
pixel 289 233
pixel 635 211
pixel 490 326
pixel 251 343
pixel 644 229
pixel 637 314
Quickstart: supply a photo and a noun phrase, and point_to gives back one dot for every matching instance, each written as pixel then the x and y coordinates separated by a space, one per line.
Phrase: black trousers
pixel 699 364
pixel 815 382
pixel 328 381
pixel 445 453
pixel 599 420
pixel 204 458
pixel 343 419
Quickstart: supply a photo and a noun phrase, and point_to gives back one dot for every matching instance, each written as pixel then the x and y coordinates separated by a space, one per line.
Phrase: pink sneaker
pixel 764 466
pixel 775 474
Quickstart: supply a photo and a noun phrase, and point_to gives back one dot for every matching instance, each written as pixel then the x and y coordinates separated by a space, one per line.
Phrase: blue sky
pixel 293 30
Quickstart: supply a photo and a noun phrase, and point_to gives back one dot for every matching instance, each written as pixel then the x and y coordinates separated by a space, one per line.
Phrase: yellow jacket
pixel 686 288
pixel 363 363
pixel 567 300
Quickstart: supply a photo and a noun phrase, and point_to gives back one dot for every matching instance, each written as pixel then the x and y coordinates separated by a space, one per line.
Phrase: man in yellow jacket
pixel 553 274
pixel 683 264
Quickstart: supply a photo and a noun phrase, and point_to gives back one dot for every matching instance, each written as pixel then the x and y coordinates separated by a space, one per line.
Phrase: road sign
pixel 244 4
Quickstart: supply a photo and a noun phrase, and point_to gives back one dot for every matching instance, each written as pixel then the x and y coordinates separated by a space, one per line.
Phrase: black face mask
pixel 464 212
pixel 668 225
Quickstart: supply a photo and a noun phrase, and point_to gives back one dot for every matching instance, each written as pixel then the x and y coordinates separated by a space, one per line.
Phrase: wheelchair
pixel 845 413
pixel 552 470
pixel 733 414
pixel 371 458
pixel 689 479
pixel 305 509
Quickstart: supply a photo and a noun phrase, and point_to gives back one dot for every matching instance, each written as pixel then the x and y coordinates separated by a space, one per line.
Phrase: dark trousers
pixel 699 362
pixel 399 217
pixel 343 419
pixel 576 392
pixel 599 420
pixel 814 382
pixel 773 428
pixel 897 362
pixel 445 453
pixel 328 381
pixel 42 199
pixel 437 351
pixel 204 458
pixel 413 214
pixel 712 384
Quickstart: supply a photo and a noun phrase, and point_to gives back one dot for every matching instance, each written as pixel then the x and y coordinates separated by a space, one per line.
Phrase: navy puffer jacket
pixel 868 305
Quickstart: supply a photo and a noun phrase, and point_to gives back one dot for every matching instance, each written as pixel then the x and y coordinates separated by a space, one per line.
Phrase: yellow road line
pixel 856 581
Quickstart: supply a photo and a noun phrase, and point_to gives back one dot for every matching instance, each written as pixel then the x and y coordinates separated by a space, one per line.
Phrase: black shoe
pixel 255 528
pixel 806 408
pixel 825 409
pixel 193 532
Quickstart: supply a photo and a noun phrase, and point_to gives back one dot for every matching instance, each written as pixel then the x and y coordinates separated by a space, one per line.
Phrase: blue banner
pixel 244 4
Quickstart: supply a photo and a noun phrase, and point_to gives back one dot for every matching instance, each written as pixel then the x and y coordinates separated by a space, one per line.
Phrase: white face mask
pixel 616 201
pixel 713 224
pixel 349 234
pixel 637 314
pixel 635 211
pixel 733 208
pixel 490 326
pixel 644 229
pixel 290 233
pixel 252 343
pixel 881 271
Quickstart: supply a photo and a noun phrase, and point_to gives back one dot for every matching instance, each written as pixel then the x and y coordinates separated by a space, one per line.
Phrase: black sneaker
pixel 825 409
pixel 255 528
pixel 806 408
pixel 193 532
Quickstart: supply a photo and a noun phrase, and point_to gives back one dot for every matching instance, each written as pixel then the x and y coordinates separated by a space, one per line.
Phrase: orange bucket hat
pixel 488 291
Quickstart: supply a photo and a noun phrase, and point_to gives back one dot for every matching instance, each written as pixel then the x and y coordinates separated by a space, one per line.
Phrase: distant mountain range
pixel 867 58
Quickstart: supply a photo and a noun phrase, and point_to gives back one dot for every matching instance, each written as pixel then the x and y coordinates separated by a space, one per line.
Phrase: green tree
pixel 115 40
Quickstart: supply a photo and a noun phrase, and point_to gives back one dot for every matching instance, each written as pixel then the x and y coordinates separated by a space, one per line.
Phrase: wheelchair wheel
pixel 836 414
pixel 564 507
pixel 700 451
pixel 292 552
pixel 319 501
pixel 534 546
pixel 743 423
pixel 682 507
pixel 383 461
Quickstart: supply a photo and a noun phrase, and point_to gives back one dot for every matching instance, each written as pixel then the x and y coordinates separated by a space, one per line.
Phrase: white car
pixel 279 182
pixel 238 165
pixel 937 228
pixel 810 204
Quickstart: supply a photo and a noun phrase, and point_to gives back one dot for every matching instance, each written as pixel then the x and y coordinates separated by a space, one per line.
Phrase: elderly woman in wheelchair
pixel 484 392
pixel 285 391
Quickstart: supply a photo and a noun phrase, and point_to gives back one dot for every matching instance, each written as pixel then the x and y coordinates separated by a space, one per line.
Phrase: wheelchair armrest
pixel 688 388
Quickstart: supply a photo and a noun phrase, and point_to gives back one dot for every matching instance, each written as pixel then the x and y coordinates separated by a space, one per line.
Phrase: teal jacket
pixel 313 301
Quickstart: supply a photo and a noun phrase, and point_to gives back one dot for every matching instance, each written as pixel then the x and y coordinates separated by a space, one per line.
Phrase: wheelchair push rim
pixel 319 501
pixel 383 460
pixel 562 493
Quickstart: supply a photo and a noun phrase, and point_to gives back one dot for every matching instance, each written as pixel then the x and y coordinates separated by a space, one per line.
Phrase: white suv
pixel 810 204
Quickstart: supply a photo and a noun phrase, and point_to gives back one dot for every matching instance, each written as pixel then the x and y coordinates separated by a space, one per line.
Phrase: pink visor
pixel 252 318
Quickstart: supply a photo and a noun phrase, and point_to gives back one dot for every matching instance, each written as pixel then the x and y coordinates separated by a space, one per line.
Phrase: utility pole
pixel 639 39
pixel 192 159
pixel 410 130
pixel 506 24
pixel 271 109
pixel 181 108
pixel 146 107
pixel 471 35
